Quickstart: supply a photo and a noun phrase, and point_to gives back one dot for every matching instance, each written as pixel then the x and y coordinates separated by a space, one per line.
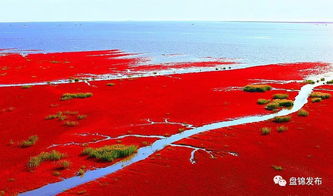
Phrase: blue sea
pixel 247 42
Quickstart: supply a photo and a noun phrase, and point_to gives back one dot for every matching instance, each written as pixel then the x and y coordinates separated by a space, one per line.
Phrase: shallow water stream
pixel 54 188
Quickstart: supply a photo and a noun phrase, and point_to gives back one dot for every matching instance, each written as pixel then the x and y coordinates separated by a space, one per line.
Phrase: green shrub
pixel 59 116
pixel 280 96
pixel 30 141
pixel 44 156
pixel 56 173
pixel 68 96
pixel 281 129
pixel 26 86
pixel 63 117
pixel 64 165
pixel 314 100
pixel 70 112
pixel 320 95
pixel 110 84
pixel 309 81
pixel 303 112
pixel 257 88
pixel 263 101
pixel 277 167
pixel 109 153
pixel 265 131
pixel 272 106
pixel 34 162
pixel 281 119
pixel 279 103
pixel 81 116
pixel 51 156
pixel 284 102
pixel 330 82
pixel 87 151
pixel 51 116
pixel 69 123
pixel 81 172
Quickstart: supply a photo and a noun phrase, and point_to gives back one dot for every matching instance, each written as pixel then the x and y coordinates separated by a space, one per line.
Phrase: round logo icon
pixel 276 179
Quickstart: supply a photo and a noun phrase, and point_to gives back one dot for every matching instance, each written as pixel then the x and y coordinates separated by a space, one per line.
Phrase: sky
pixel 170 10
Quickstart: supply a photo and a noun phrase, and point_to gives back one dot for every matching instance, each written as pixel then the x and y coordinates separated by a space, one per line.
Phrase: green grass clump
pixel 314 100
pixel 281 119
pixel 277 167
pixel 284 102
pixel 303 112
pixel 68 96
pixel 81 172
pixel 26 86
pixel 280 96
pixel 81 116
pixel 330 82
pixel 68 112
pixel 272 106
pixel 62 117
pixel 58 115
pixel 279 103
pixel 29 142
pixel 44 156
pixel 109 153
pixel 265 131
pixel 320 95
pixel 56 173
pixel 64 165
pixel 281 129
pixel 257 88
pixel 110 84
pixel 309 82
pixel 51 156
pixel 69 123
pixel 51 116
pixel 263 101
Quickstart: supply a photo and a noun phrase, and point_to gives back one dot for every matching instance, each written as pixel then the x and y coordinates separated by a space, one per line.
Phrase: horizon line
pixel 259 21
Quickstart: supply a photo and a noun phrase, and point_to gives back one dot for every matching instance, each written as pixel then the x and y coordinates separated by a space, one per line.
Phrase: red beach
pixel 67 102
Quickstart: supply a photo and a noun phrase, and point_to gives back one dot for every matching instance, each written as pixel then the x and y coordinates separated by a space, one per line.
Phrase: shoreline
pixel 157 107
